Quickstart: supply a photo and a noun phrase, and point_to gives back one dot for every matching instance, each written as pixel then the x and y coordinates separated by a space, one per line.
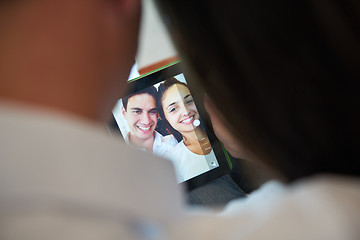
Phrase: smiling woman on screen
pixel 194 154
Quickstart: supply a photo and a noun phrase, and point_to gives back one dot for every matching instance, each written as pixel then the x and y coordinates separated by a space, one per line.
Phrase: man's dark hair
pixel 149 90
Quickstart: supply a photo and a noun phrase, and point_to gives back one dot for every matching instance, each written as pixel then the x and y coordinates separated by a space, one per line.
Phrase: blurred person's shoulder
pixel 319 207
pixel 325 206
pixel 57 165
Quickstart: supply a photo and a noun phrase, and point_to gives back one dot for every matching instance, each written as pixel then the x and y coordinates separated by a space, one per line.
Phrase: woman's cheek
pixel 171 119
pixel 175 120
pixel 194 109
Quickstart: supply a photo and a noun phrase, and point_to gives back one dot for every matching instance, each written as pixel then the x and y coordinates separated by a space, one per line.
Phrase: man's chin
pixel 145 135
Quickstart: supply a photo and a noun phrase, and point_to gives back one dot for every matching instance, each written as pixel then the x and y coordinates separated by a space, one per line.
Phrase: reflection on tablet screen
pixel 163 119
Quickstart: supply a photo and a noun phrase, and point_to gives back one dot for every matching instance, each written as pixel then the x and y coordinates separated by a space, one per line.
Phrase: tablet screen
pixel 162 118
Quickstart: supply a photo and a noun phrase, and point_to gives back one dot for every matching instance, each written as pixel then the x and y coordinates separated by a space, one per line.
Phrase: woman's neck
pixel 197 141
pixel 193 137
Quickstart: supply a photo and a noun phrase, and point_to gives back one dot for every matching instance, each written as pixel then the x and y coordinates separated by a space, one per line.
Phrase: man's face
pixel 141 115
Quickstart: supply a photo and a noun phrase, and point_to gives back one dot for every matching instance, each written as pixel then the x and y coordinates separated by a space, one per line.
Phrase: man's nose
pixel 145 119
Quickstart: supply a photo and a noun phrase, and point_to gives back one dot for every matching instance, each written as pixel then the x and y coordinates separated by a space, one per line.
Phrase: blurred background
pixel 156 48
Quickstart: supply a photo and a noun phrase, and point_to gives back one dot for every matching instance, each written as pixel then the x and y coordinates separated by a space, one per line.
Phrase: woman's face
pixel 179 108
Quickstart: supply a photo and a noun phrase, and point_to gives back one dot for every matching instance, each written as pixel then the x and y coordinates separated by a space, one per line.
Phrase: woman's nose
pixel 184 110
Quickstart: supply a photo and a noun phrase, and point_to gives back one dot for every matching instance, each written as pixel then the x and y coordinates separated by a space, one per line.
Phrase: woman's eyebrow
pixel 189 95
pixel 171 104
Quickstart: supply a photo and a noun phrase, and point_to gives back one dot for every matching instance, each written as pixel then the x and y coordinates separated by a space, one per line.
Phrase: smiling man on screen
pixel 139 110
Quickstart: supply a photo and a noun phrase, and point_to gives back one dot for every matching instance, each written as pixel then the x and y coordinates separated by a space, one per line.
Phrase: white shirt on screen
pixel 161 143
pixel 188 164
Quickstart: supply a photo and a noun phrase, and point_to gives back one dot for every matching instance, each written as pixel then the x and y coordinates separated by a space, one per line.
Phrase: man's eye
pixel 137 112
pixel 153 112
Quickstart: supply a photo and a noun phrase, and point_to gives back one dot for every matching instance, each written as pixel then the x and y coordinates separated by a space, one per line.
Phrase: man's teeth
pixel 188 120
pixel 144 128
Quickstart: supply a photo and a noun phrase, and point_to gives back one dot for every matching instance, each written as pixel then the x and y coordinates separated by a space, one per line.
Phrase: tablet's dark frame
pixel 160 75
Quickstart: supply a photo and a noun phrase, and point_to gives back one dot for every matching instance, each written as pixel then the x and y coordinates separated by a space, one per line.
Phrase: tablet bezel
pixel 221 154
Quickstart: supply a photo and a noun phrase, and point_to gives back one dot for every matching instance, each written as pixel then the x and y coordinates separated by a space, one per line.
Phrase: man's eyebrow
pixel 153 109
pixel 136 108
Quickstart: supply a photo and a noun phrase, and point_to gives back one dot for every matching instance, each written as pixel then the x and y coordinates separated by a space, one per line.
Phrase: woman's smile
pixel 188 120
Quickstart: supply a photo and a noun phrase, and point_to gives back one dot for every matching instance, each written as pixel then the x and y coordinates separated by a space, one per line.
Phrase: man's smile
pixel 145 129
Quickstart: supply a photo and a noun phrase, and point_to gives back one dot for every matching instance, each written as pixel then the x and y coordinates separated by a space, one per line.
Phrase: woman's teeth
pixel 188 120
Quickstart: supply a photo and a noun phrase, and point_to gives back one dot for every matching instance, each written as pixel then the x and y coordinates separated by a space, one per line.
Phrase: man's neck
pixel 146 144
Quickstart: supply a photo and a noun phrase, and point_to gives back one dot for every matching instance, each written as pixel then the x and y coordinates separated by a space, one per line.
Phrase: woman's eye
pixel 190 101
pixel 173 109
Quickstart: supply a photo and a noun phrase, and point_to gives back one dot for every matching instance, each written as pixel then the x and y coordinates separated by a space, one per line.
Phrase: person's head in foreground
pixel 176 105
pixel 67 55
pixel 283 77
pixel 139 110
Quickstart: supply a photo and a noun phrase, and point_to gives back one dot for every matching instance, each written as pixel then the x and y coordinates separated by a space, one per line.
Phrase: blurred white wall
pixel 155 43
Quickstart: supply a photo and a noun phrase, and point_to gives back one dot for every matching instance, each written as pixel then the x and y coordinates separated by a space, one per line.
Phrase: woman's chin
pixel 187 129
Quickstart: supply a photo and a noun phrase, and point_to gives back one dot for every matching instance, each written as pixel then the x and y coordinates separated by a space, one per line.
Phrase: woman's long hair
pixel 284 73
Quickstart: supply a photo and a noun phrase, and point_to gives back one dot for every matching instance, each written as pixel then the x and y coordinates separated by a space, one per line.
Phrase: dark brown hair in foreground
pixel 284 73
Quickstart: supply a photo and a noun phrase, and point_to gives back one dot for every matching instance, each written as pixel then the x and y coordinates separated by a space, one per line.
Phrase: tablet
pixel 160 115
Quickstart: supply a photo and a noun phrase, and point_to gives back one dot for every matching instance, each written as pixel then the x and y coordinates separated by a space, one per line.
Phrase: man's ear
pixel 123 111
